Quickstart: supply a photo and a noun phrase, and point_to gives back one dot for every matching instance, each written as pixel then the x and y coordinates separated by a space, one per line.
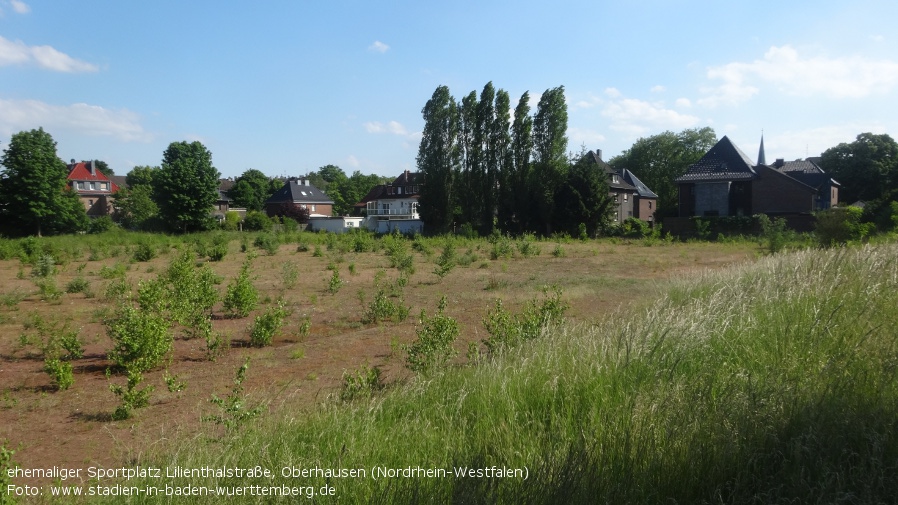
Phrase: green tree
pixel 658 160
pixel 514 201
pixel 34 192
pixel 186 186
pixel 468 178
pixel 549 154
pixel 252 189
pixel 141 175
pixel 584 198
pixel 867 168
pixel 135 207
pixel 439 160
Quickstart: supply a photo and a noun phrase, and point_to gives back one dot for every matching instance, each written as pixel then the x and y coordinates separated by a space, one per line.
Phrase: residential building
pixel 299 194
pixel 394 206
pixel 93 187
pixel 726 182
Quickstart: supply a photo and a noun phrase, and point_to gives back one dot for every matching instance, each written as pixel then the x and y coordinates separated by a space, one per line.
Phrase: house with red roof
pixel 93 187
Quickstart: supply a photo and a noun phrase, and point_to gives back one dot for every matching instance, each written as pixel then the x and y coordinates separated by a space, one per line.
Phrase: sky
pixel 286 87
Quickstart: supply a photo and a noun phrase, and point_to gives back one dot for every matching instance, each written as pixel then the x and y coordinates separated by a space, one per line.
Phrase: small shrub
pixel 559 252
pixel 256 221
pixel 433 348
pixel 775 233
pixel 141 339
pixel 335 283
pixel 508 330
pixel 233 412
pixel 289 275
pixel 60 372
pixel 144 252
pixel 78 285
pixel 241 297
pixel 446 261
pixel 47 289
pixel 382 308
pixel 44 267
pixel 131 396
pixel 268 242
pixel 365 382
pixel 266 325
pixel 219 248
pixel 100 224
pixel 173 383
pixel 840 225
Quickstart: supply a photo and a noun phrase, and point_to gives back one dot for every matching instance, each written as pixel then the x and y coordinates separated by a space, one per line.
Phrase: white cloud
pixel 20 7
pixel 794 144
pixel 683 103
pixel 613 93
pixel 638 117
pixel 793 74
pixel 79 118
pixel 583 137
pixel 378 47
pixel 17 53
pixel 393 127
pixel 352 161
pixel 658 89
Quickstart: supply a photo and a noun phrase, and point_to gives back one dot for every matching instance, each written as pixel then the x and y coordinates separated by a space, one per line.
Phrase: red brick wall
pixel 774 193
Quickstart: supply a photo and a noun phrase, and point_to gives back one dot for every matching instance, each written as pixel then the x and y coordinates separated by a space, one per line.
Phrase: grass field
pixel 684 372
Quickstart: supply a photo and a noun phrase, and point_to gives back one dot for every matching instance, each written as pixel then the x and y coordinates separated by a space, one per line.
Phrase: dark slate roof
pixel 409 178
pixel 299 192
pixel 723 162
pixel 805 171
pixel 610 173
pixel 641 188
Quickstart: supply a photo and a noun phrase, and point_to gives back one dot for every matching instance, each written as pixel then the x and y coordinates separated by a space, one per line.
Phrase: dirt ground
pixel 73 428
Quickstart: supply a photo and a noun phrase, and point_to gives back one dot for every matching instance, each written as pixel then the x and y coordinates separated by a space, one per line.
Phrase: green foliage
pixel 132 397
pixel 252 188
pixel 269 242
pixel 78 285
pixel 433 348
pixel 439 159
pixel 633 227
pixel 364 383
pixel 242 297
pixel 508 330
pixel 173 383
pixel 559 251
pixel 144 252
pixel 447 260
pixel 6 464
pixel 60 372
pixel 775 233
pixel 34 193
pixel 398 251
pixel 334 283
pixel 840 225
pixel 100 224
pixel 136 209
pixel 383 308
pixel 257 221
pixel 44 267
pixel 231 221
pixel 867 168
pixel 233 412
pixel 527 246
pixel 141 339
pixel 501 246
pixel 47 289
pixel 289 275
pixel 192 293
pixel 186 186
pixel 267 324
pixel 219 248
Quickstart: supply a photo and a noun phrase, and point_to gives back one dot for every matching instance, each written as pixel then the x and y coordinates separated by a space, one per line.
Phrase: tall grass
pixel 769 383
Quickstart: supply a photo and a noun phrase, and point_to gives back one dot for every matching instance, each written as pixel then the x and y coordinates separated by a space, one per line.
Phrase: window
pixel 90 202
pixel 313 208
pixel 626 197
pixel 104 186
pixel 650 204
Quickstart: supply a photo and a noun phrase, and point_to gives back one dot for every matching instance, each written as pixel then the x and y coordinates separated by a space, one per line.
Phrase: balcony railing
pixel 393 212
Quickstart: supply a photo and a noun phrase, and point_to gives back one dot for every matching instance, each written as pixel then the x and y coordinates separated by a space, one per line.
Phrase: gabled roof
pixel 88 171
pixel 294 191
pixel 805 171
pixel 610 173
pixel 409 178
pixel 723 162
pixel 641 189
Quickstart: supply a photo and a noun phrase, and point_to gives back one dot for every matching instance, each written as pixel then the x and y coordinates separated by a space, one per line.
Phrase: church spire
pixel 762 159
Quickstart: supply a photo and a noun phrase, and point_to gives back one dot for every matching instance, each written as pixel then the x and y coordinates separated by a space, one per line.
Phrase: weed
pixel 433 348
pixel 144 252
pixel 11 299
pixel 507 330
pixel 233 412
pixel 6 465
pixel 559 251
pixel 289 275
pixel 334 283
pixel 174 383
pixel 44 267
pixel 298 353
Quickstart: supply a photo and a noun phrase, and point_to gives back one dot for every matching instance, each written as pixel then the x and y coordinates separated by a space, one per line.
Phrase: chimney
pixel 92 167
pixel 780 162
pixel 599 154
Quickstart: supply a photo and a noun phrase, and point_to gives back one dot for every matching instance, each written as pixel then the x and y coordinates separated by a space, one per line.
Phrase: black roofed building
pixel 646 201
pixel 726 182
pixel 299 194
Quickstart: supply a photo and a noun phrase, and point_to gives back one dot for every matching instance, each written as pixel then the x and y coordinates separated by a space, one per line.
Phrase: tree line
pixel 487 171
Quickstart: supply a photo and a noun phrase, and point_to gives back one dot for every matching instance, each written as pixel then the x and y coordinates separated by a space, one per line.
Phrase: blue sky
pixel 287 87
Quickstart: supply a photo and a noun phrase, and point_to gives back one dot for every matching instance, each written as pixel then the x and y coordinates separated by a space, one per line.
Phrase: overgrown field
pixel 771 381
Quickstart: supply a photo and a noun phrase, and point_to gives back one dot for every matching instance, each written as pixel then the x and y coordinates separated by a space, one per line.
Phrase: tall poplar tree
pixel 515 202
pixel 500 157
pixel 467 181
pixel 439 159
pixel 34 192
pixel 484 182
pixel 186 187
pixel 550 154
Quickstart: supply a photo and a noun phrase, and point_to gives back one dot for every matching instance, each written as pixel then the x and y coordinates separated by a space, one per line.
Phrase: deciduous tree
pixel 549 154
pixel 34 192
pixel 186 186
pixel 439 160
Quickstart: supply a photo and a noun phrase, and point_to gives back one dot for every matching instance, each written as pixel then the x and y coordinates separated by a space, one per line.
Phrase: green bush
pixel 508 330
pixel 233 412
pixel 433 348
pixel 840 225
pixel 775 233
pixel 141 338
pixel 256 221
pixel 131 397
pixel 60 372
pixel 266 325
pixel 100 224
pixel 241 297
pixel 144 252
pixel 446 262
pixel 362 384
